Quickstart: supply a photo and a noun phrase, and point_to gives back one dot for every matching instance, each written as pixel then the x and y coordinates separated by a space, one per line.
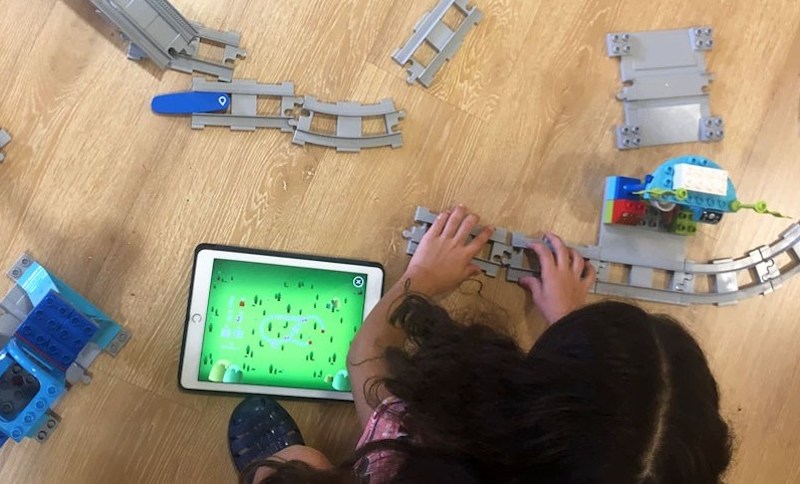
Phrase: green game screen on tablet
pixel 280 326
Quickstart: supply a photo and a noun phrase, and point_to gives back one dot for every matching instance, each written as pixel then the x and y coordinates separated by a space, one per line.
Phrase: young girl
pixel 608 394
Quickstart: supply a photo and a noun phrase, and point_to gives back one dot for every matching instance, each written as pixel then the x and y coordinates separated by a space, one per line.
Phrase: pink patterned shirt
pixel 385 424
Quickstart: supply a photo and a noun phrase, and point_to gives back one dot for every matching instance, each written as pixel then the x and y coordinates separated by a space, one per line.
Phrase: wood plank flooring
pixel 518 126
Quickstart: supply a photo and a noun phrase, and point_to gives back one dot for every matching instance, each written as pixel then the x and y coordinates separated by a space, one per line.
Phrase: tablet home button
pixel 196 318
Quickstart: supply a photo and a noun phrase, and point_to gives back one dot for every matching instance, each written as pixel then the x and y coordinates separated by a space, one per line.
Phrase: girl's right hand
pixel 565 279
pixel 443 259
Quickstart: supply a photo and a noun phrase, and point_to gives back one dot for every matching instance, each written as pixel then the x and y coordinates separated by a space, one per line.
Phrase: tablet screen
pixel 280 325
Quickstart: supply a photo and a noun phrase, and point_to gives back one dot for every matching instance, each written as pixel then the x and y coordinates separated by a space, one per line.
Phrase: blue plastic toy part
pixel 27 409
pixel 697 202
pixel 622 188
pixel 37 282
pixel 190 102
pixel 55 331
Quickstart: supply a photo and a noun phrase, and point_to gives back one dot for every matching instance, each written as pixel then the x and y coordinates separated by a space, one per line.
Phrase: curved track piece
pixel 761 268
pixel 349 135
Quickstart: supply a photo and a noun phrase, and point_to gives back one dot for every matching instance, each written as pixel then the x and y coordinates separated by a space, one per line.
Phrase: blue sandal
pixel 259 427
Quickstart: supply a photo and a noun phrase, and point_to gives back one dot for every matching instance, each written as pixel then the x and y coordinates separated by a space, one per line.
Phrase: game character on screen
pixel 608 394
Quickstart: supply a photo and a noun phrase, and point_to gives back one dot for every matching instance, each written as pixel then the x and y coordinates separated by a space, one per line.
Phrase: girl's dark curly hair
pixel 608 394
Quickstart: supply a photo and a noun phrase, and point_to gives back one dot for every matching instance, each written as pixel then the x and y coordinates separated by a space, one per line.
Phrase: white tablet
pixel 274 323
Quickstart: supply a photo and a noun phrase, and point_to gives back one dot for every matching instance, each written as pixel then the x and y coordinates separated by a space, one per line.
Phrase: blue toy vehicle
pixel 49 336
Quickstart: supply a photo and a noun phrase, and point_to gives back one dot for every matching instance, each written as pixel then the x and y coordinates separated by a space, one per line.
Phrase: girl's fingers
pixel 591 275
pixel 473 270
pixel 546 261
pixel 454 222
pixel 561 251
pixel 476 245
pixel 577 262
pixel 534 285
pixel 438 225
pixel 466 226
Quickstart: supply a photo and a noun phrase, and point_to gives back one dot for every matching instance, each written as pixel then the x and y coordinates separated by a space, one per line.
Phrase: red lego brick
pixel 628 212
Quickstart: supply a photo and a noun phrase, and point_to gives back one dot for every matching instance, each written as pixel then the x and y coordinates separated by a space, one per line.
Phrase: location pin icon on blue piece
pixel 190 102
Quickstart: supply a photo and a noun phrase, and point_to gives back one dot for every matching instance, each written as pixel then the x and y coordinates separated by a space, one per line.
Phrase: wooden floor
pixel 114 199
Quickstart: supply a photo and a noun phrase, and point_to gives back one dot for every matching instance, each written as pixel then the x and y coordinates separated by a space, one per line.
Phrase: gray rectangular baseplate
pixel 665 96
pixel 243 115
pixel 349 135
pixel 431 29
pixel 5 138
pixel 640 252
pixel 158 31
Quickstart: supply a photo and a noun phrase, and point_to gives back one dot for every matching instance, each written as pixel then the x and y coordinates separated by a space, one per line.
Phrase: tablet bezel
pixel 197 305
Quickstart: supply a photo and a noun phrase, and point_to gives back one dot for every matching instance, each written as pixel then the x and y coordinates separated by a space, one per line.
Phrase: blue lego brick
pixel 18 387
pixel 28 408
pixel 3 438
pixel 662 180
pixel 37 282
pixel 621 188
pixel 55 331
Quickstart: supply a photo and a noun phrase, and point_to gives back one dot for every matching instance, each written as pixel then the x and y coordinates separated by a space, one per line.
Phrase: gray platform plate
pixel 665 100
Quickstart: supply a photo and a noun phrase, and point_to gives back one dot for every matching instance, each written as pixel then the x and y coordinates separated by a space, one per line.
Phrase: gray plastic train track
pixel 5 138
pixel 432 30
pixel 349 135
pixel 760 267
pixel 666 79
pixel 243 115
pixel 158 31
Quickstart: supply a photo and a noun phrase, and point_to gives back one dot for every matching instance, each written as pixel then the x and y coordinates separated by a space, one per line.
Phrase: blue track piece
pixel 190 102
pixel 621 188
pixel 662 180
pixel 55 331
pixel 37 282
pixel 27 390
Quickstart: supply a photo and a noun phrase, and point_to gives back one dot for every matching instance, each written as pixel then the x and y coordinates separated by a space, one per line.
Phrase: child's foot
pixel 259 427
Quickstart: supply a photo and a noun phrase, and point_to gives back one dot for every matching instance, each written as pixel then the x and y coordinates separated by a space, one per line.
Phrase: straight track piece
pixel 432 30
pixel 158 31
pixel 243 115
